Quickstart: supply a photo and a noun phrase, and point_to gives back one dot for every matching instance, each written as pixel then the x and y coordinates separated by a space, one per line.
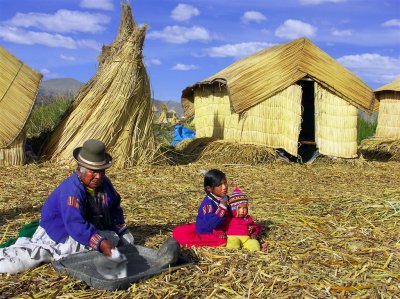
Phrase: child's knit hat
pixel 237 198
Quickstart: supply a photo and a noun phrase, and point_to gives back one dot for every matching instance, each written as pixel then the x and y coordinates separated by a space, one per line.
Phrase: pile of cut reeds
pixel 333 230
pixel 380 149
pixel 211 150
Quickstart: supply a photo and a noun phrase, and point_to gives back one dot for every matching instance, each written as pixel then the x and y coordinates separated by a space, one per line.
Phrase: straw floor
pixel 333 231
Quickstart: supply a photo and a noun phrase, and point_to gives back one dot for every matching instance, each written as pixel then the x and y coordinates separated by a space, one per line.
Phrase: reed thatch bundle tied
pixel 114 106
pixel 18 89
pixel 380 149
pixel 162 118
pixel 172 116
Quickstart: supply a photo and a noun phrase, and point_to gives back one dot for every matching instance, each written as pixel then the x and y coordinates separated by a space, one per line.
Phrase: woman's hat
pixel 92 155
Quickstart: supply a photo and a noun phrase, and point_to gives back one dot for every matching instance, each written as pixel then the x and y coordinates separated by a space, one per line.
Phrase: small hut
pixel 114 106
pixel 19 85
pixel 155 113
pixel 172 117
pixel 385 144
pixel 162 118
pixel 285 97
pixel 388 125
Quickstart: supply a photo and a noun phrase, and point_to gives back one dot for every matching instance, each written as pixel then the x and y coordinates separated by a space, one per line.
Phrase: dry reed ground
pixel 333 231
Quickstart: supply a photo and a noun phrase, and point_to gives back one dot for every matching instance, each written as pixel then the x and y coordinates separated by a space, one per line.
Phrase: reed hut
pixel 162 118
pixel 19 85
pixel 172 116
pixel 155 113
pixel 285 96
pixel 388 125
pixel 385 144
pixel 114 106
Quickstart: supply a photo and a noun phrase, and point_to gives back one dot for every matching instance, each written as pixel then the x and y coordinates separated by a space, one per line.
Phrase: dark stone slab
pixel 142 263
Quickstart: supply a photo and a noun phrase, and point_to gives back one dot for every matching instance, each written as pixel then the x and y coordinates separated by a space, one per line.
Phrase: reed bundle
pixel 333 231
pixel 18 88
pixel 381 149
pixel 211 150
pixel 114 106
pixel 162 118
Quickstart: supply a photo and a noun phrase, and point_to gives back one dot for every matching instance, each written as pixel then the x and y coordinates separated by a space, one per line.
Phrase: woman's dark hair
pixel 213 178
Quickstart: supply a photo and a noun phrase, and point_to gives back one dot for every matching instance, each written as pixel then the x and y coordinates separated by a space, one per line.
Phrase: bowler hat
pixel 92 155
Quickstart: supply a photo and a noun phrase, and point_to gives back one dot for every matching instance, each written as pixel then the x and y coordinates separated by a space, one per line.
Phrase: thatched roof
pixel 392 86
pixel 18 88
pixel 258 77
pixel 114 106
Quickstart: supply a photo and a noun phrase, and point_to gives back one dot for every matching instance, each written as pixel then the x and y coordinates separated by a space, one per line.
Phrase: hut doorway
pixel 308 147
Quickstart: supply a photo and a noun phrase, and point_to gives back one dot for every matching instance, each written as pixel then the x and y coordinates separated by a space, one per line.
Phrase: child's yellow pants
pixel 246 242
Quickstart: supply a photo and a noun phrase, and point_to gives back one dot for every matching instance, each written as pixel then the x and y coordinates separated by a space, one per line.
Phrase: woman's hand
pixel 105 247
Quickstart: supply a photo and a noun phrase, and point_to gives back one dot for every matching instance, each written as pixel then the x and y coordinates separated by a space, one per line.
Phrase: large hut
pixel 19 85
pixel 388 125
pixel 283 97
pixel 114 106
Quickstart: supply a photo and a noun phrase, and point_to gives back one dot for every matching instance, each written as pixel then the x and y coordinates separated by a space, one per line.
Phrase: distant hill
pixel 170 104
pixel 62 87
pixel 68 88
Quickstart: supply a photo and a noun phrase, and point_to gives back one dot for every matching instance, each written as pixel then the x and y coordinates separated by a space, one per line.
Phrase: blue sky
pixel 188 41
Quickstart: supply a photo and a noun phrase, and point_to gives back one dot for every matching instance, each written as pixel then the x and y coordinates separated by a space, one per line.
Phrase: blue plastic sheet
pixel 182 133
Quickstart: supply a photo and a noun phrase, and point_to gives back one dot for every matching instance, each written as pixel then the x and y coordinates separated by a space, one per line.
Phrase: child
pixel 241 229
pixel 211 216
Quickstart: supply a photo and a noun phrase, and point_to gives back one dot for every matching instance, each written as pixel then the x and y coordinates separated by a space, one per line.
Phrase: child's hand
pixel 223 202
pixel 264 246
pixel 253 236
pixel 222 235
pixel 251 229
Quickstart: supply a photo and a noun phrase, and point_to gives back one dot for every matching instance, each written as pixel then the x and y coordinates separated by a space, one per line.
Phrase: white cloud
pixel 62 21
pixel 184 12
pixel 237 50
pixel 67 58
pixel 180 35
pixel 253 16
pixel 316 2
pixel 292 29
pixel 98 4
pixel 392 23
pixel 153 61
pixel 373 67
pixel 45 71
pixel 48 74
pixel 342 32
pixel 184 67
pixel 21 36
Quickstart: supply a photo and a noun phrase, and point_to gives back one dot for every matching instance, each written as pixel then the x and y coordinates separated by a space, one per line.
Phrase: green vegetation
pixel 365 129
pixel 45 116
